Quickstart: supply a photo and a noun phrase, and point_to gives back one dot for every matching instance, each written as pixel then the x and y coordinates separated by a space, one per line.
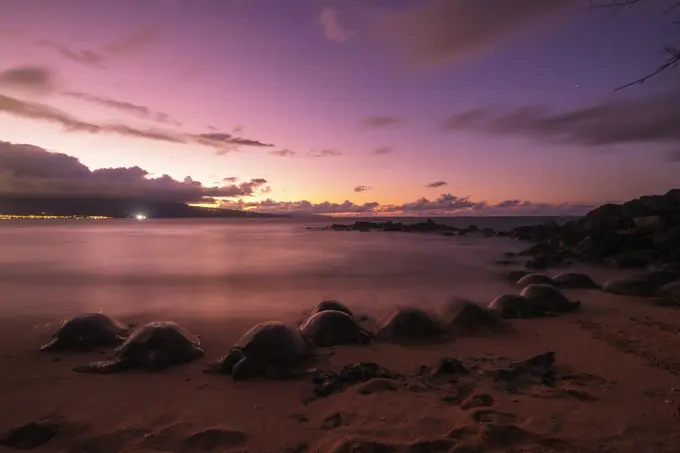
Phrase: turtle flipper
pixel 104 366
pixel 244 369
pixel 225 365
pixel 53 345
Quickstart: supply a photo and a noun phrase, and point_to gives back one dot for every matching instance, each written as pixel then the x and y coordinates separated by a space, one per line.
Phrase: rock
pixel 450 366
pixel 633 259
pixel 488 232
pixel 326 383
pixel 650 223
pixel 671 292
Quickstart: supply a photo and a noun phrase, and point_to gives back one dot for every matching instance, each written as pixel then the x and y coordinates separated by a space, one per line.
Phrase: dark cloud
pixel 362 188
pixel 333 27
pixel 383 150
pixel 301 207
pixel 432 32
pixel 448 204
pixel 324 153
pixel 224 143
pixel 230 179
pixel 380 122
pixel 444 205
pixel 610 122
pixel 42 112
pixel 127 107
pixel 437 184
pixel 31 170
pixel 672 156
pixel 29 79
pixel 283 153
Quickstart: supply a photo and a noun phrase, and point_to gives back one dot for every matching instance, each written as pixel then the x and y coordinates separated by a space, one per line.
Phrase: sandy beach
pixel 617 390
pixel 615 386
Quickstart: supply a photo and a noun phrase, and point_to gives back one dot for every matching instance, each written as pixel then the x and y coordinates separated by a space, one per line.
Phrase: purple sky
pixel 416 107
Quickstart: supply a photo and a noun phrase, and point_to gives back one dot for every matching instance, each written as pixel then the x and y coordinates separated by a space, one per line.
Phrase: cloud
pixel 301 207
pixel 132 41
pixel 383 150
pixel 324 153
pixel 230 179
pixel 126 44
pixel 28 79
pixel 283 153
pixel 437 184
pixel 610 122
pixel 672 156
pixel 31 170
pixel 432 32
pixel 127 107
pixel 362 188
pixel 87 57
pixel 444 205
pixel 332 26
pixel 380 122
pixel 448 204
pixel 224 143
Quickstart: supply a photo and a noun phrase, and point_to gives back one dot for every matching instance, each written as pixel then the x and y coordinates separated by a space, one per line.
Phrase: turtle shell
pixel 272 340
pixel 332 327
pixel 326 305
pixel 165 333
pixel 511 306
pixel 459 314
pixel 410 322
pixel 91 322
pixel 548 298
pixel 535 279
pixel 574 280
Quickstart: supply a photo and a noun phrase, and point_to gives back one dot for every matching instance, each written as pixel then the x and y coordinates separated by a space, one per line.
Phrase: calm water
pixel 220 267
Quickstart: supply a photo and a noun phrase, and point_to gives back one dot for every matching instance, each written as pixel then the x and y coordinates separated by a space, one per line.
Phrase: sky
pixel 399 107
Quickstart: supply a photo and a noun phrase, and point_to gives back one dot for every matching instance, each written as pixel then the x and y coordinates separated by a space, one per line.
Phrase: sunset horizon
pixel 346 116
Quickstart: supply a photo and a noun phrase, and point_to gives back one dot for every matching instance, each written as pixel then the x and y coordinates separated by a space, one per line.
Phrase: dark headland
pixel 112 208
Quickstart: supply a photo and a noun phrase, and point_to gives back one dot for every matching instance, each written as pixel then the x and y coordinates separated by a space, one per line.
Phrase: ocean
pixel 219 267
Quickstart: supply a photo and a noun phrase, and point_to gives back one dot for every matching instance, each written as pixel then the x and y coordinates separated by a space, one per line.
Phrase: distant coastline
pixel 116 208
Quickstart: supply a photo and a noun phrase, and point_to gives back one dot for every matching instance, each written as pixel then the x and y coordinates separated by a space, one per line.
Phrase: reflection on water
pixel 217 267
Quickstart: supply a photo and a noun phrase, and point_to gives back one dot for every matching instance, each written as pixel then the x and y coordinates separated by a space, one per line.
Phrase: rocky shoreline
pixel 643 233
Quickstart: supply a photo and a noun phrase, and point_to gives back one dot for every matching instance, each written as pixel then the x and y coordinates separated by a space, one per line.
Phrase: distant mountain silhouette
pixel 111 207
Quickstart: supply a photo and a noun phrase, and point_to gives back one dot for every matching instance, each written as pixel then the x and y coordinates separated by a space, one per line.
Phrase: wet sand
pixel 618 390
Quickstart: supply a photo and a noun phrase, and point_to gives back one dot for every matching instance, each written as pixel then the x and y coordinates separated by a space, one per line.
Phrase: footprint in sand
pixel 210 440
pixel 112 442
pixel 493 417
pixel 30 436
pixel 337 419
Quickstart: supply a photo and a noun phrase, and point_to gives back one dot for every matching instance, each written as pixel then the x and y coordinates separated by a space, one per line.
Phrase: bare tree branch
pixel 674 52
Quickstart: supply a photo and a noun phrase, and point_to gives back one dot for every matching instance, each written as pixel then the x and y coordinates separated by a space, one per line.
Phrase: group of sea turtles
pixel 277 350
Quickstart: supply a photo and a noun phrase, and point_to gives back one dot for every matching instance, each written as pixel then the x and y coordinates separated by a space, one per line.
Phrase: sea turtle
pixel 154 346
pixel 513 276
pixel 646 284
pixel 332 327
pixel 410 323
pixel 574 280
pixel 325 305
pixel 87 331
pixel 465 316
pixel 671 292
pixel 533 279
pixel 511 306
pixel 270 349
pixel 549 299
